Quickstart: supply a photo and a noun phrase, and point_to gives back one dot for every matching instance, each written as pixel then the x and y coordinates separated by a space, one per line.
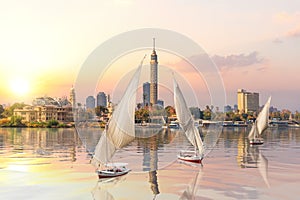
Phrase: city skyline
pixel 254 46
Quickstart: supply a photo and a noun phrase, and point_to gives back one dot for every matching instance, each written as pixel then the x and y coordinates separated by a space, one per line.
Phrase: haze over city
pixel 255 45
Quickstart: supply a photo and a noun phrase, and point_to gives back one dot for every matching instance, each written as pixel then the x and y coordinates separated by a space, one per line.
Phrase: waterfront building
pixel 153 76
pixel 235 107
pixel 101 99
pixel 45 113
pixel 90 102
pixel 146 94
pixel 247 101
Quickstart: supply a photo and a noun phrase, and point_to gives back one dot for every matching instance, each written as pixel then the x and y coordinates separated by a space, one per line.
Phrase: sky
pixel 255 45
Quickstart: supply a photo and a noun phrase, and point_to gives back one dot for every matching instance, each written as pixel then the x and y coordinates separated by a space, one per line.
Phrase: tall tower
pixel 73 97
pixel 153 76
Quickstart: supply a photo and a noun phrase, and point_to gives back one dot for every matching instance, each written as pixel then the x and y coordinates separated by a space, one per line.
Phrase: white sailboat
pixel 260 124
pixel 119 132
pixel 187 122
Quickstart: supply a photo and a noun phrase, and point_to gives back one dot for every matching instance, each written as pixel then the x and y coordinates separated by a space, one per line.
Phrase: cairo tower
pixel 153 76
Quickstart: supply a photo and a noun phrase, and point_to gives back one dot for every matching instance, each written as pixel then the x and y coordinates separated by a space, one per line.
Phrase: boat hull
pixel 257 141
pixel 193 159
pixel 111 174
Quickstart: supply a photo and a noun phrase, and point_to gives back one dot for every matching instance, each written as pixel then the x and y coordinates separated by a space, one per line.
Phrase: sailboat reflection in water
pixel 100 191
pixel 119 132
pixel 253 158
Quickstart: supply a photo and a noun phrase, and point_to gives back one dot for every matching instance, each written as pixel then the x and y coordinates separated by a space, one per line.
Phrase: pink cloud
pixel 286 18
pixel 240 60
pixel 294 33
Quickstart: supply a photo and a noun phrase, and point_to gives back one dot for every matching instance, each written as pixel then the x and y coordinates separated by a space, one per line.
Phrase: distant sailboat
pixel 187 124
pixel 119 132
pixel 260 124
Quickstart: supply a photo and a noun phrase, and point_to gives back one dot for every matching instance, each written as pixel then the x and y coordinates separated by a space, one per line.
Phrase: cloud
pixel 294 33
pixel 235 61
pixel 286 18
pixel 278 41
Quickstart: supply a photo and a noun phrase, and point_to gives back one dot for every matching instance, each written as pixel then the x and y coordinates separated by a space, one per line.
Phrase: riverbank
pixel 12 123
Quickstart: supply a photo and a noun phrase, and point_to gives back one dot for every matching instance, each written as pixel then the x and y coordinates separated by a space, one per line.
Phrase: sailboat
pixel 187 124
pixel 260 124
pixel 119 132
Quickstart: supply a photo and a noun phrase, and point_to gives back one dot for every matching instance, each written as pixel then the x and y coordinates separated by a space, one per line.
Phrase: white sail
pixel 103 151
pixel 263 117
pixel 185 119
pixel 120 129
pixel 261 122
pixel 253 132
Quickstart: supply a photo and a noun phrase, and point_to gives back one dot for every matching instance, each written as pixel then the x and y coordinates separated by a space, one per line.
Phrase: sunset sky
pixel 255 45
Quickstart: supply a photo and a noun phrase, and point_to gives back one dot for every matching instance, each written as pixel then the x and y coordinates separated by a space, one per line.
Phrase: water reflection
pixel 149 147
pixel 40 163
pixel 153 150
pixel 100 191
pixel 193 187
pixel 251 157
pixel 40 143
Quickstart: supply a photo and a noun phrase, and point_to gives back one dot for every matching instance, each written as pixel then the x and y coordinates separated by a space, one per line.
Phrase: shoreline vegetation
pixel 7 118
pixel 16 122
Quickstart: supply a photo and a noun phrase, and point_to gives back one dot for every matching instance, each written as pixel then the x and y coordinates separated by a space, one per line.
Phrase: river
pixel 55 164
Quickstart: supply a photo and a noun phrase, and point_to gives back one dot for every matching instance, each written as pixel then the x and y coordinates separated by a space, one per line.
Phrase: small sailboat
pixel 119 132
pixel 260 124
pixel 187 124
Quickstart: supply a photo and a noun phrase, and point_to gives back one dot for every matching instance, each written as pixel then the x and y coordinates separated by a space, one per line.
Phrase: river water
pixel 55 164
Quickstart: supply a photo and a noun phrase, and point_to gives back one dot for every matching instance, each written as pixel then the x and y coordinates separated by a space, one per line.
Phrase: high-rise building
pixel 73 97
pixel 227 108
pixel 146 94
pixel 161 103
pixel 247 101
pixel 90 102
pixel 153 76
pixel 101 99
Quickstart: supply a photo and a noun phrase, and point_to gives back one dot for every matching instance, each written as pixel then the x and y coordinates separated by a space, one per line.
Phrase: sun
pixel 19 86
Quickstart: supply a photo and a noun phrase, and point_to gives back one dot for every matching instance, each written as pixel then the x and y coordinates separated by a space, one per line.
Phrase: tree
pixel 1 111
pixel 8 112
pixel 207 113
pixel 52 123
pixel 139 106
pixel 170 111
pixel 100 110
pixel 142 115
pixel 16 121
